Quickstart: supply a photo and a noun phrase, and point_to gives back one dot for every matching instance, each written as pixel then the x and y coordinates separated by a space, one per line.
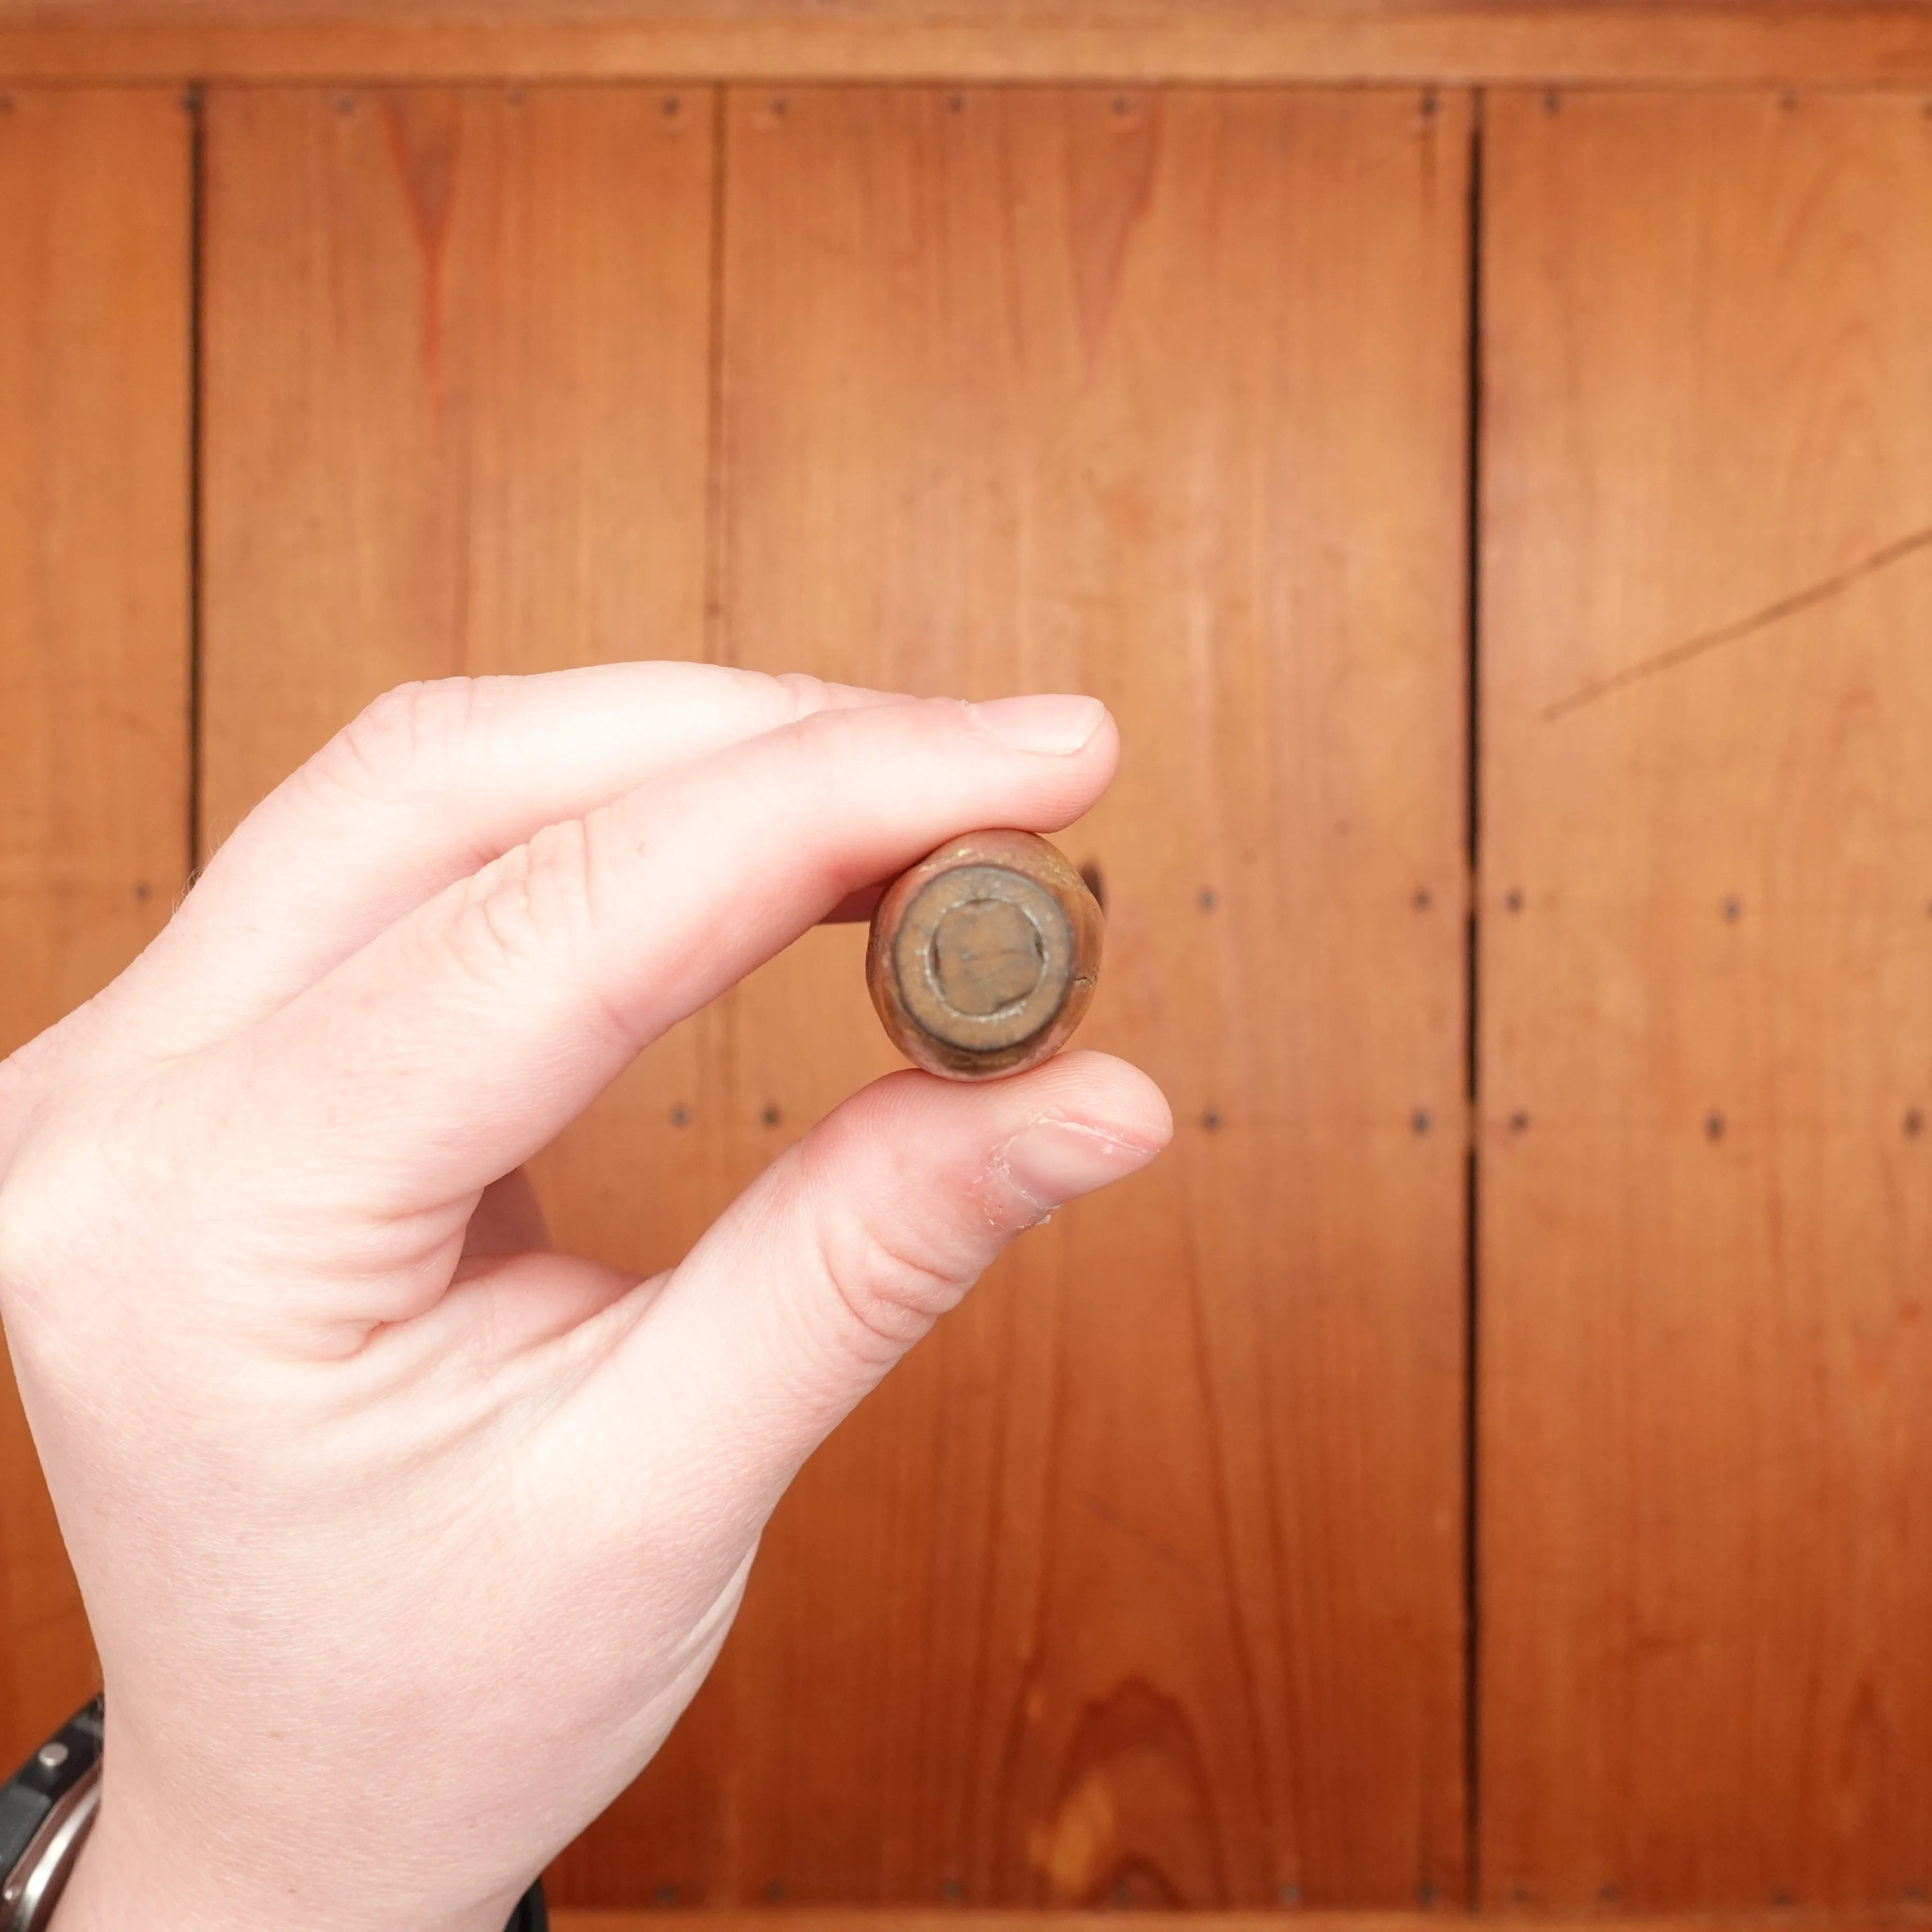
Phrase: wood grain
pixel 94 662
pixel 1141 1581
pixel 1659 42
pixel 765 1919
pixel 455 422
pixel 1706 1437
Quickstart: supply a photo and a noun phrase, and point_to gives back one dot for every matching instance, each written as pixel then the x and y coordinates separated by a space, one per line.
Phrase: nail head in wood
pixel 983 958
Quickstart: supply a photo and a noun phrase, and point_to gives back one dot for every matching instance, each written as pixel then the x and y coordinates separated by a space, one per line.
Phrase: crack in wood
pixel 1775 613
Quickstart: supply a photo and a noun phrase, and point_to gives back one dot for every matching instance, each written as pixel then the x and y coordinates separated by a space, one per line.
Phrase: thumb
pixel 848 1248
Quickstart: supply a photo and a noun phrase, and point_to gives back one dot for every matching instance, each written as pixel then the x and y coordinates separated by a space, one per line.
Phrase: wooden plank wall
pixel 1070 1918
pixel 1707 856
pixel 1668 43
pixel 1142 1584
pixel 1144 1581
pixel 455 421
pixel 94 319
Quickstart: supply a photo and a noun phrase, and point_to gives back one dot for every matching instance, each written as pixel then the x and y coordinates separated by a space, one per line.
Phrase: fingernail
pixel 1056 1161
pixel 1046 723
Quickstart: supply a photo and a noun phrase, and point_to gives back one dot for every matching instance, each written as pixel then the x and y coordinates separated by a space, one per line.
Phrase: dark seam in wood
pixel 195 106
pixel 1474 505
pixel 715 632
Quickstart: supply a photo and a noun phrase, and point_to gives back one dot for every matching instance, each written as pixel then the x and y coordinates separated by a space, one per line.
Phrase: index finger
pixel 429 783
pixel 464 1038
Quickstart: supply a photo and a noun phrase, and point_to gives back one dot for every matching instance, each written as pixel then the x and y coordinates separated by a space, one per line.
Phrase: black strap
pixel 531 1914
pixel 46 1776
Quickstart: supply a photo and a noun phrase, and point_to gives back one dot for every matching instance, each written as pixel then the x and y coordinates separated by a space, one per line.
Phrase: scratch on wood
pixel 1882 559
pixel 1162 1552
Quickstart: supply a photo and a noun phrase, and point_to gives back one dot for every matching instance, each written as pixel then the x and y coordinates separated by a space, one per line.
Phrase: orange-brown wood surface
pixel 1705 1362
pixel 1141 1581
pixel 1144 1579
pixel 1663 43
pixel 1910 1918
pixel 455 346
pixel 94 309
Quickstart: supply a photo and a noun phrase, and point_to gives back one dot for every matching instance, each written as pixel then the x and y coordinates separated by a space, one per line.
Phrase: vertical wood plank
pixel 455 421
pixel 1706 1369
pixel 1140 1583
pixel 455 408
pixel 95 196
pixel 94 203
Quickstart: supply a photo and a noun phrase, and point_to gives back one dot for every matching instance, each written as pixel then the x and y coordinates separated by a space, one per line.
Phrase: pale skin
pixel 405 1540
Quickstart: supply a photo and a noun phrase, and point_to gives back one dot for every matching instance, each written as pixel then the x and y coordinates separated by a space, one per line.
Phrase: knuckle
pixel 505 922
pixel 530 917
pixel 806 695
pixel 407 737
pixel 25 1239
pixel 99 1230
pixel 892 1281
pixel 804 769
pixel 826 739
pixel 51 1202
pixel 30 1076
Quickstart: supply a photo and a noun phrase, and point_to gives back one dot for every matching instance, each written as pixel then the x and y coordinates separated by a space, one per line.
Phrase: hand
pixel 405 1541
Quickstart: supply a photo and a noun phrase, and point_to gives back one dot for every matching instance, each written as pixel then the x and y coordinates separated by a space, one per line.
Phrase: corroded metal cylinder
pixel 983 958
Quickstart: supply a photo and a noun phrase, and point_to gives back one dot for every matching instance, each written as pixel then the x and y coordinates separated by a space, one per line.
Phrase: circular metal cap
pixel 984 956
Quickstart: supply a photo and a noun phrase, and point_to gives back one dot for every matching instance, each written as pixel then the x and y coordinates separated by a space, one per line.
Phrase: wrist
pixel 140 1866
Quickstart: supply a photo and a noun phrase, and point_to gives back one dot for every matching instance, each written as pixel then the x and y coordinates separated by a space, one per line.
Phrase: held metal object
pixel 983 958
